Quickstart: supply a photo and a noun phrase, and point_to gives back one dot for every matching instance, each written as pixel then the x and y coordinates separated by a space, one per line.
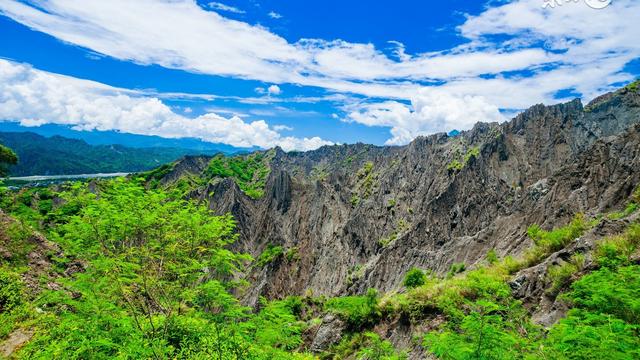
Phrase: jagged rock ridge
pixel 360 216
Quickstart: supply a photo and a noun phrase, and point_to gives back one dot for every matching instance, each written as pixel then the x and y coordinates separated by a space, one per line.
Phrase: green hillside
pixel 62 156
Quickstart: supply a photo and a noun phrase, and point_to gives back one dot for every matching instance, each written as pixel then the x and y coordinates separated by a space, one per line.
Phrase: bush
pixel 456 268
pixel 583 335
pixel 613 292
pixel 630 209
pixel 378 349
pixel 358 311
pixel 10 290
pixel 492 256
pixel 636 195
pixel 414 278
pixel 560 275
pixel 615 251
pixel 270 254
pixel 547 242
pixel 455 165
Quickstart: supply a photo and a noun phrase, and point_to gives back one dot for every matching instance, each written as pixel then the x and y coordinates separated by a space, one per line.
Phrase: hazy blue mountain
pixel 119 138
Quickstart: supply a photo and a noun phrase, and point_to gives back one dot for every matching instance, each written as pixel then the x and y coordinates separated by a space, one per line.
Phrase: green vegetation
pixel 320 172
pixel 157 282
pixel 154 176
pixel 456 268
pixel 492 256
pixel 365 346
pixel 401 226
pixel 157 279
pixel 603 323
pixel 631 207
pixel 547 242
pixel 7 157
pixel 357 311
pixel 58 156
pixel 560 275
pixel 269 255
pixel 461 160
pixel 355 273
pixel 366 183
pixel 455 165
pixel 414 278
pixel 250 172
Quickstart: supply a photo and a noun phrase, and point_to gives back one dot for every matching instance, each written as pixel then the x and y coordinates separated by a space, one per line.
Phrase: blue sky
pixel 301 74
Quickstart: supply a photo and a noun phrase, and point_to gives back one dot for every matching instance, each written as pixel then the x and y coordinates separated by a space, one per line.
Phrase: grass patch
pixel 547 242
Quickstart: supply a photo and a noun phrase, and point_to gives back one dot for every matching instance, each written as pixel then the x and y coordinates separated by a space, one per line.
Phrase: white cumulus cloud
pixel 430 111
pixel 515 53
pixel 33 98
pixel 274 90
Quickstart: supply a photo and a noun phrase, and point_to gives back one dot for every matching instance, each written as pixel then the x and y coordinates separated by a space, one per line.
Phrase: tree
pixel 414 278
pixel 7 157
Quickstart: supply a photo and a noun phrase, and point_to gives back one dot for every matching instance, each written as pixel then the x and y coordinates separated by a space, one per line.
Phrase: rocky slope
pixel 352 217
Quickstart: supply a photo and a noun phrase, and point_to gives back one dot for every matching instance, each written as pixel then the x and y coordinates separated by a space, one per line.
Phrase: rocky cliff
pixel 351 217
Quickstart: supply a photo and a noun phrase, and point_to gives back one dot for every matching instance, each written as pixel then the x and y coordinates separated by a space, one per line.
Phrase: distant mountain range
pixel 118 138
pixel 57 155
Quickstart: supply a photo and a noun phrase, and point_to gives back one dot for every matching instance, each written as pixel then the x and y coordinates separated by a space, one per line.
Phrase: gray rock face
pixel 354 226
pixel 329 333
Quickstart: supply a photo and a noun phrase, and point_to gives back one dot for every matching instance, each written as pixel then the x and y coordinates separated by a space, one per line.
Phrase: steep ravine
pixel 352 217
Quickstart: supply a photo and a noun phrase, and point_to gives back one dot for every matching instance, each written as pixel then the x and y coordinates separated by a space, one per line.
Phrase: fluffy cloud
pixel 430 111
pixel 34 98
pixel 540 52
pixel 274 90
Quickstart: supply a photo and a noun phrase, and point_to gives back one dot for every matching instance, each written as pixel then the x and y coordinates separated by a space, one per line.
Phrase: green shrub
pixel 455 165
pixel 492 256
pixel 366 182
pixel 414 278
pixel 10 290
pixel 355 200
pixel 560 275
pixel 584 335
pixel 269 255
pixel 293 254
pixel 13 305
pixel 456 268
pixel 377 349
pixel 604 321
pixel 615 251
pixel 636 195
pixel 472 153
pixel 483 334
pixel 358 311
pixel 630 209
pixel 634 86
pixel 610 291
pixel 547 242
pixel 459 164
